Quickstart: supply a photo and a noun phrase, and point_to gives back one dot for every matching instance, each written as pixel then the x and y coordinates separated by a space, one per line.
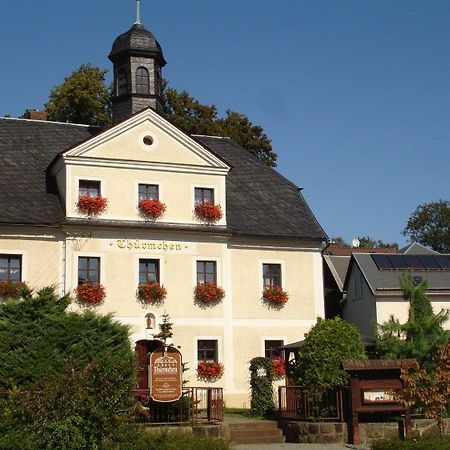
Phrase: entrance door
pixel 143 349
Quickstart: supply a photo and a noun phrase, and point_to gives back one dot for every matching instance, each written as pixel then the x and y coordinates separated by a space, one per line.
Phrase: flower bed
pixel 90 293
pixel 208 293
pixel 91 206
pixel 275 295
pixel 209 371
pixel 208 213
pixel 152 209
pixel 278 368
pixel 151 293
pixel 14 290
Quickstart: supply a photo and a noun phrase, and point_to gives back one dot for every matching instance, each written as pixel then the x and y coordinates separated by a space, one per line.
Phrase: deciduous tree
pixel 429 392
pixel 193 117
pixel 81 98
pixel 325 346
pixel 429 225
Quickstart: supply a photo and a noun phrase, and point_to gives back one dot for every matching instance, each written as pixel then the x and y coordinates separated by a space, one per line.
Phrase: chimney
pixel 37 115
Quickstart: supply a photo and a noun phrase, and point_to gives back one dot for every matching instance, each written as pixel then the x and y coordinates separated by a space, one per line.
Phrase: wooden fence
pixel 197 404
pixel 311 403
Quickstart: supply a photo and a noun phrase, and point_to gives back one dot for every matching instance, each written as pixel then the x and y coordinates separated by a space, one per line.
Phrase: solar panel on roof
pixel 382 262
pixel 429 262
pixel 413 262
pixel 443 261
pixel 398 262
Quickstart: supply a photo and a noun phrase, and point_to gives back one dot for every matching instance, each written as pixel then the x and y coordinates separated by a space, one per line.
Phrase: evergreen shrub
pixel 67 378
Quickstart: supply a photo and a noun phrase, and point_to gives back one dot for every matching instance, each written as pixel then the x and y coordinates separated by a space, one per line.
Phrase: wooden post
pixel 355 429
pixel 408 425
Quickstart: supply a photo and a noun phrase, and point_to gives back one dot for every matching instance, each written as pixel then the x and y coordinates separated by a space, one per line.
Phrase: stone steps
pixel 257 432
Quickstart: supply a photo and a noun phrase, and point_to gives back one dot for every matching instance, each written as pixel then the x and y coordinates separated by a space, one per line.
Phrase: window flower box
pixel 151 209
pixel 90 294
pixel 275 295
pixel 208 213
pixel 91 206
pixel 208 293
pixel 9 289
pixel 209 371
pixel 151 293
pixel 279 370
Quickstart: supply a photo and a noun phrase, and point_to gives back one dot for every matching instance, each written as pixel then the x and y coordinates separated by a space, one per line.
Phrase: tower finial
pixel 138 12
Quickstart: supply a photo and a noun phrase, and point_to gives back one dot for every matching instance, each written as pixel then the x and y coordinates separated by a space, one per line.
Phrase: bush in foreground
pixel 174 441
pixel 66 377
pixel 426 443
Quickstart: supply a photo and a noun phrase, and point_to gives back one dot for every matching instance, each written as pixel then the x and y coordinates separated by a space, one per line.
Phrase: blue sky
pixel 355 94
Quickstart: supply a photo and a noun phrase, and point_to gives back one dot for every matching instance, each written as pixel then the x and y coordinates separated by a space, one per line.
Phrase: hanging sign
pixel 165 374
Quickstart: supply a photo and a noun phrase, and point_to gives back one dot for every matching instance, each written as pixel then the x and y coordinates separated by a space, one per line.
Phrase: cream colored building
pixel 266 235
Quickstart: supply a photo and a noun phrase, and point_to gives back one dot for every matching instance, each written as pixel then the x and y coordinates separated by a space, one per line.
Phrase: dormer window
pixel 142 80
pixel 148 192
pixel 122 83
pixel 89 188
pixel 204 195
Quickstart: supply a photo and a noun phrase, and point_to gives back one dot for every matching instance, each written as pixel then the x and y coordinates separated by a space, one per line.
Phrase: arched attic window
pixel 142 80
pixel 122 82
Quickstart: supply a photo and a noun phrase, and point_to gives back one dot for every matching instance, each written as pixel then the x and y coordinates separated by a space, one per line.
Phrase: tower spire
pixel 138 12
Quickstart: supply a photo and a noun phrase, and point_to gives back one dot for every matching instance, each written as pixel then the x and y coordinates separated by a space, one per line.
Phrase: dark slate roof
pixel 388 281
pixel 137 41
pixel 26 149
pixel 260 201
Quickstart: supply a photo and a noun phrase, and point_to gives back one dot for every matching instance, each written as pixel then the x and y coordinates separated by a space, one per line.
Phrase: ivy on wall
pixel 261 379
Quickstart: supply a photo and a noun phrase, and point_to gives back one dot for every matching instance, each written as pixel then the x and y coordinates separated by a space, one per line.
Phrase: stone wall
pixel 314 432
pixel 331 432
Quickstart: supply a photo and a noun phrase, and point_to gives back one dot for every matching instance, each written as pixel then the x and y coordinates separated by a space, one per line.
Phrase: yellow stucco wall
pixel 240 323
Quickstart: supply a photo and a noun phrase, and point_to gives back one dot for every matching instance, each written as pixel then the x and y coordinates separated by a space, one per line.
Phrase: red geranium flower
pixel 9 289
pixel 91 206
pixel 151 293
pixel 90 293
pixel 275 294
pixel 208 293
pixel 208 213
pixel 209 371
pixel 151 208
pixel 278 368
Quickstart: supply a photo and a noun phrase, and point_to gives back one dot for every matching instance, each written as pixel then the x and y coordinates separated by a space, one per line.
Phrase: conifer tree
pixel 165 330
pixel 422 336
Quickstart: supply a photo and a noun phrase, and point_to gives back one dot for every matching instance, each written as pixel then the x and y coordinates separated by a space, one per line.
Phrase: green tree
pixel 38 336
pixel 429 225
pixel 368 242
pixel 192 117
pixel 325 346
pixel 422 336
pixel 68 374
pixel 340 241
pixel 165 330
pixel 81 98
pixel 84 98
pixel 429 392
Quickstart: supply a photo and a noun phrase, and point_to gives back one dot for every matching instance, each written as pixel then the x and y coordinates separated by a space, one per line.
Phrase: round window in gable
pixel 148 140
